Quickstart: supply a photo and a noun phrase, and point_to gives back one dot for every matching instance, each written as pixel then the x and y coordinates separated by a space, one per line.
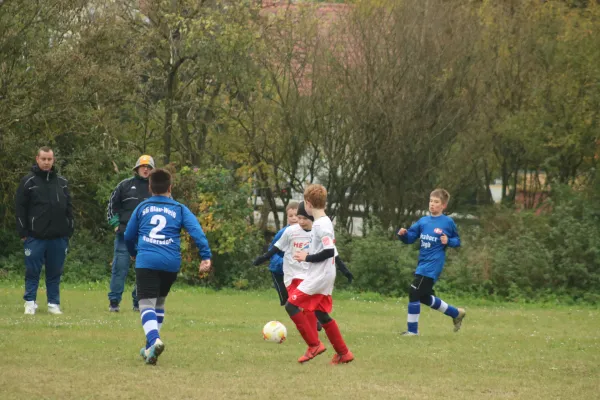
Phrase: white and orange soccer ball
pixel 275 332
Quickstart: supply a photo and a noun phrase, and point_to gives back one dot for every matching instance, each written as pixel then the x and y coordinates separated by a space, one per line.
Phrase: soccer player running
pixel 155 229
pixel 313 294
pixel 436 232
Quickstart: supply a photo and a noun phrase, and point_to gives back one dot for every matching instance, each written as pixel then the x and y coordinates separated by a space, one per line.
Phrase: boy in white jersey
pixel 294 239
pixel 314 292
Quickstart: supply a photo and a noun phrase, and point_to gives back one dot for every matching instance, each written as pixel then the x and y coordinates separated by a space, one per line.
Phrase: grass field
pixel 214 350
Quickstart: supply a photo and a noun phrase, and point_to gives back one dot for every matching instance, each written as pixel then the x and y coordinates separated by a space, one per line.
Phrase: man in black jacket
pixel 124 199
pixel 44 222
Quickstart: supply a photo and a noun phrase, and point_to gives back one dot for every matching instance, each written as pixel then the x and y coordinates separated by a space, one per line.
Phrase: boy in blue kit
pixel 436 232
pixel 153 239
pixel 276 263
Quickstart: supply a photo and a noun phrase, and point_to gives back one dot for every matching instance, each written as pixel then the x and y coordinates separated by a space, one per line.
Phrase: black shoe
pixel 114 307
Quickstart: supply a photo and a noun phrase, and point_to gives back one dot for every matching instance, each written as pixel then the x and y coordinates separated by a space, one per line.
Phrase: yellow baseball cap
pixel 144 160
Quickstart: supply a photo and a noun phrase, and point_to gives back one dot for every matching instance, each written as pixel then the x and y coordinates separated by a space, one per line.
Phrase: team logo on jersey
pixel 27 252
pixel 437 231
pixel 326 241
pixel 294 297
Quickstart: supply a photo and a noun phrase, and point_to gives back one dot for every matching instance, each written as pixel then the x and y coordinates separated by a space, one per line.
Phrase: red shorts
pixel 310 302
pixel 293 285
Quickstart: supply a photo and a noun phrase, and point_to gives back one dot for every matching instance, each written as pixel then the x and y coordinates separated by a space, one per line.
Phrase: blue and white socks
pixel 150 324
pixel 414 311
pixel 442 306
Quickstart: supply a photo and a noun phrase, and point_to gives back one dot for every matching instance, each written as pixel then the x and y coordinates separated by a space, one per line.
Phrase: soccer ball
pixel 274 331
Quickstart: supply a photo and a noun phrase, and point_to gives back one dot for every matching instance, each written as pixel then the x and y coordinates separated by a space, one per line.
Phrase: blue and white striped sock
pixel 150 324
pixel 442 306
pixel 160 317
pixel 414 310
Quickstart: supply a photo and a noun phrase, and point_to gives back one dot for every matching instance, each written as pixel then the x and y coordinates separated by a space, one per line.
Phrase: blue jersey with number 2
pixel 154 230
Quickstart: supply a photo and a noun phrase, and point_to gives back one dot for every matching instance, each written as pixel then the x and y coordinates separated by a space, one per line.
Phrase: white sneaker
pixel 54 309
pixel 30 307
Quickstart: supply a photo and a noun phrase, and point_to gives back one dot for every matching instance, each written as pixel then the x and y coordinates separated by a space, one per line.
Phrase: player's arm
pixel 193 227
pixel 453 237
pixel 411 234
pixel 343 269
pixel 131 233
pixel 278 245
pixel 327 252
pixel 69 208
pixel 21 205
pixel 277 237
pixel 114 207
pixel 265 257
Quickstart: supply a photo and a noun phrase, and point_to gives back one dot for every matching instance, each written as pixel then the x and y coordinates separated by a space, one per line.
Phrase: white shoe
pixel 54 309
pixel 30 307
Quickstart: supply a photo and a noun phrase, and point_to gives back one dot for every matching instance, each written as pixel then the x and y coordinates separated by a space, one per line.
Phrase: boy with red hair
pixel 313 294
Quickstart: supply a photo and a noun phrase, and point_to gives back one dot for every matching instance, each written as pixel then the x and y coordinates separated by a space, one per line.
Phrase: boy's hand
pixel 444 239
pixel 259 260
pixel 349 276
pixel 205 266
pixel 402 232
pixel 300 256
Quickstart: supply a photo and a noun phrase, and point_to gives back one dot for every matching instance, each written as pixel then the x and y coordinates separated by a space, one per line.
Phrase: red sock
pixel 309 335
pixel 311 319
pixel 335 337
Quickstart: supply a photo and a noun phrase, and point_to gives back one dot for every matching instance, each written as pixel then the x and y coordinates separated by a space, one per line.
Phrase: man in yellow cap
pixel 124 199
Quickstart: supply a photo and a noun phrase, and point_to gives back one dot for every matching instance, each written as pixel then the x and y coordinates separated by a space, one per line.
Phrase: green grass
pixel 214 350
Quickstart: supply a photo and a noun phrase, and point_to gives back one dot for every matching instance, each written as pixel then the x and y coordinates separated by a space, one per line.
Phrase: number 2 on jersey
pixel 160 221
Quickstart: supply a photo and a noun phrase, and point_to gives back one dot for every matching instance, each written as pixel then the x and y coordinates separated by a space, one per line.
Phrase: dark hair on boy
pixel 160 181
pixel 441 194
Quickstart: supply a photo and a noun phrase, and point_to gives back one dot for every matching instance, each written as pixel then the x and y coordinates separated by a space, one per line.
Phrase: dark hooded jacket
pixel 43 205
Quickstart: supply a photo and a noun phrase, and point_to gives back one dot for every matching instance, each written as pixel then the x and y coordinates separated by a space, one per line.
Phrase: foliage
pixel 221 202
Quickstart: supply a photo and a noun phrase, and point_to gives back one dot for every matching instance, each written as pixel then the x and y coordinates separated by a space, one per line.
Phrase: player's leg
pixel 308 333
pixel 148 288
pixel 343 355
pixel 134 299
pixel 120 268
pixel 279 287
pixel 166 281
pixel 457 314
pixel 35 250
pixel 56 252
pixel 420 287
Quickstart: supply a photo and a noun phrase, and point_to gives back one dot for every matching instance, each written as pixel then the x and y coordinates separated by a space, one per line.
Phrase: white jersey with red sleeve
pixel 293 240
pixel 320 276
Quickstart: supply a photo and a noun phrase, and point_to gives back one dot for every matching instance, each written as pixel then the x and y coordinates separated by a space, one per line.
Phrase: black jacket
pixel 125 198
pixel 43 205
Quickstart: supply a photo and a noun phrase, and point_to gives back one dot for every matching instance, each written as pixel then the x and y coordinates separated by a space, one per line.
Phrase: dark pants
pixel 49 252
pixel 120 269
pixel 421 289
pixel 280 287
pixel 153 283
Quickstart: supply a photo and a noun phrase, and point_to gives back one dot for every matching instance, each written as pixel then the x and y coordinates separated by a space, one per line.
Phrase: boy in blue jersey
pixel 153 239
pixel 436 232
pixel 276 262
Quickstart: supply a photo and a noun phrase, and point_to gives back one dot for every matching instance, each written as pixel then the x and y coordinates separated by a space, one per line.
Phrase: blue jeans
pixel 120 269
pixel 49 252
